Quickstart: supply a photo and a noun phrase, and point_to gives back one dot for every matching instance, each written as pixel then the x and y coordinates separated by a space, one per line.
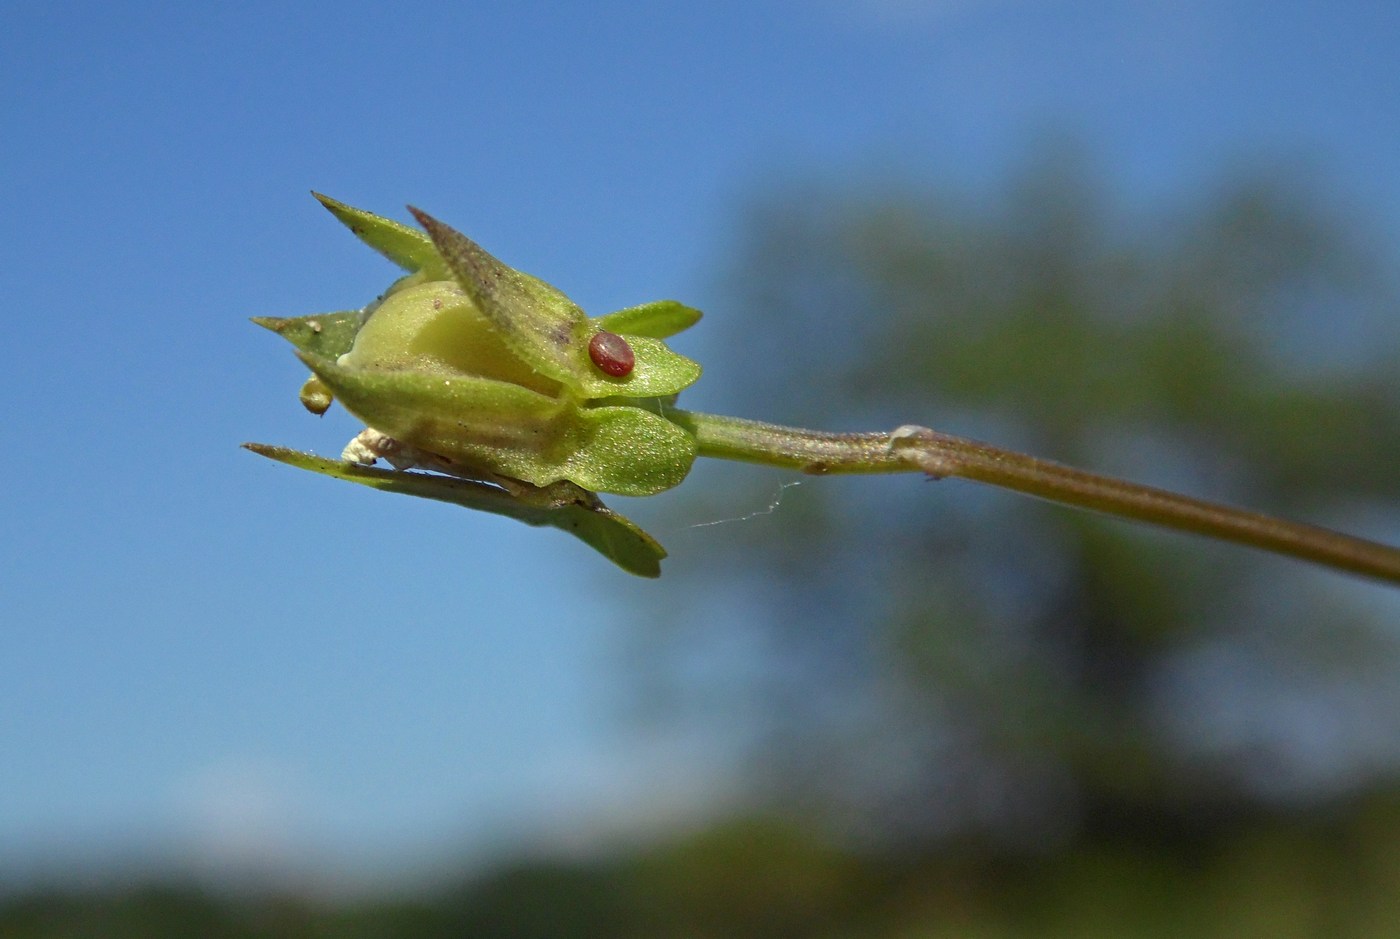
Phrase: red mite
pixel 611 353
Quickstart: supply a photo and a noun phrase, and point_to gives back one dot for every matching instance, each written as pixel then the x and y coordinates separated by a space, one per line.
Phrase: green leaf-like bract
pixel 541 325
pixel 614 536
pixel 328 335
pixel 658 372
pixel 407 247
pixel 659 319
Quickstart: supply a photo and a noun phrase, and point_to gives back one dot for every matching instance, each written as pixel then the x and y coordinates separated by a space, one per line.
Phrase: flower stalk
pixel 517 403
pixel 912 448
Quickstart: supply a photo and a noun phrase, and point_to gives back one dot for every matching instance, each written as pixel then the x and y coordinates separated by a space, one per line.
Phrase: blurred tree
pixel 932 660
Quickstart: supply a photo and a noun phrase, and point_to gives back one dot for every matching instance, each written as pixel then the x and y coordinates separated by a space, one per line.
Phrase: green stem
pixel 911 449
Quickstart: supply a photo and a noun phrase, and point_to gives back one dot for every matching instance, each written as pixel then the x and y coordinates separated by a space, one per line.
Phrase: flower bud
pixel 496 374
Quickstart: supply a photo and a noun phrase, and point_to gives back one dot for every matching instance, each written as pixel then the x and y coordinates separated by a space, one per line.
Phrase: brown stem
pixel 918 448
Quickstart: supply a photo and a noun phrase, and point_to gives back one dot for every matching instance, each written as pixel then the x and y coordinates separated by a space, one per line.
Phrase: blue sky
pixel 206 655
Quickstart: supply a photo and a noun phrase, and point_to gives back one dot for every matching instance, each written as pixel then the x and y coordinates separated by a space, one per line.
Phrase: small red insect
pixel 611 353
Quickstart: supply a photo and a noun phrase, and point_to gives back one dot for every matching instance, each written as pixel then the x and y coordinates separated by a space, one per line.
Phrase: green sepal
pixel 541 325
pixel 329 335
pixel 658 372
pixel 505 429
pixel 484 424
pixel 628 451
pixel 406 247
pixel 614 536
pixel 659 319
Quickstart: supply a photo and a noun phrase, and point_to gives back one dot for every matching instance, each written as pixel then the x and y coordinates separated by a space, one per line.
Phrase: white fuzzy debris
pixel 369 446
pixel 906 432
pixel 909 435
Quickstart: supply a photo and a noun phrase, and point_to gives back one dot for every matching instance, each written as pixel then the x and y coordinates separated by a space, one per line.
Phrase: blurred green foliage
pixel 1324 875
